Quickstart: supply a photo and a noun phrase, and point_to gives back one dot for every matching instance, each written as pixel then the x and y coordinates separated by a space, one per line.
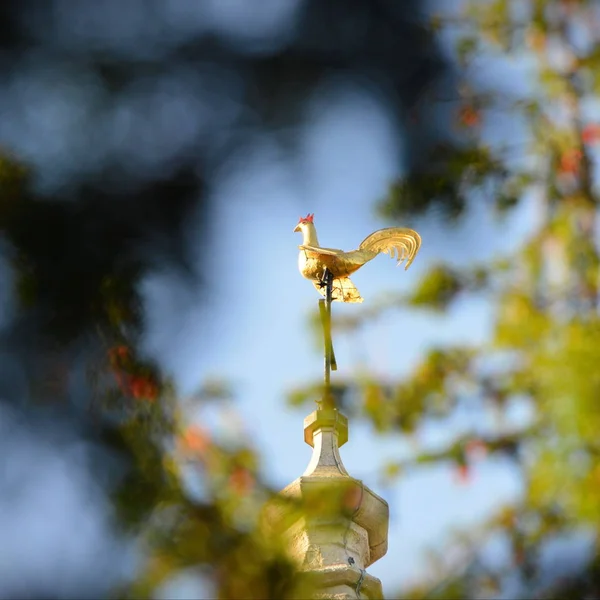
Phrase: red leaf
pixel 469 116
pixel 195 440
pixel 463 474
pixel 352 498
pixel 119 355
pixel 591 133
pixel 241 480
pixel 570 161
pixel 143 388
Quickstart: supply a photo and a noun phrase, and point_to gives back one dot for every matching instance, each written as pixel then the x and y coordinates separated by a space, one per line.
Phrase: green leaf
pixel 437 288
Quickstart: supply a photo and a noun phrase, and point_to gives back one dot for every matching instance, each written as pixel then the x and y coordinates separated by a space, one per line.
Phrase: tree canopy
pixel 83 223
pixel 530 141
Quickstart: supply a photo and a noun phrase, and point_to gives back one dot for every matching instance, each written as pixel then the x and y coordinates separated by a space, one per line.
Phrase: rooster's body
pixel 313 260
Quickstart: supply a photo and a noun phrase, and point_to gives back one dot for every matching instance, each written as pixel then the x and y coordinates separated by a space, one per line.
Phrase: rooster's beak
pixel 297 228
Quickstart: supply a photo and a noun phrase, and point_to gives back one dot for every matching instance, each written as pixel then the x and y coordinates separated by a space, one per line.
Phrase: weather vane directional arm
pixel 329 269
pixel 325 312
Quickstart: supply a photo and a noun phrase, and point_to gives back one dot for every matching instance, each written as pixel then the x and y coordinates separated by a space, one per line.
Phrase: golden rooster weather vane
pixel 329 270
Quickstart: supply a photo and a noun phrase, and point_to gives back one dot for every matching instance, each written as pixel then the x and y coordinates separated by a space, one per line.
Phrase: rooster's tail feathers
pixel 400 243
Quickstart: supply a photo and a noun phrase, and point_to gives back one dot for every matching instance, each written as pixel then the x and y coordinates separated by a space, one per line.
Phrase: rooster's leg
pixel 324 279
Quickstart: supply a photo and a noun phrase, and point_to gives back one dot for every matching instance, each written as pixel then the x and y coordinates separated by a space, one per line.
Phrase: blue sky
pixel 261 341
pixel 346 158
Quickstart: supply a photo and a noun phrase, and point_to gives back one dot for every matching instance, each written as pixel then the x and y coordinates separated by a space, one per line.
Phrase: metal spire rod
pixel 330 362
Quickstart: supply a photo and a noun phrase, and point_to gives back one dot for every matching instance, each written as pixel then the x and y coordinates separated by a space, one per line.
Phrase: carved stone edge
pixel 344 575
pixel 326 418
pixel 372 512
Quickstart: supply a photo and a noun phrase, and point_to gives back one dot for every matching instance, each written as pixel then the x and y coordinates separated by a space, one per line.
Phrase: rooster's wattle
pixel 400 243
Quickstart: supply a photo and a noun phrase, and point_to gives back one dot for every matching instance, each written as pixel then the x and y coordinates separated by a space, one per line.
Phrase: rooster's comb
pixel 307 219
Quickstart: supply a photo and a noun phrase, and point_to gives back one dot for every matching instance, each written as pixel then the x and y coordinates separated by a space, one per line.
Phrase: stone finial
pixel 341 526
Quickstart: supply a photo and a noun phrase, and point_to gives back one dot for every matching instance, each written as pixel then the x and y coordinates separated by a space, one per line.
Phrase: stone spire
pixel 341 526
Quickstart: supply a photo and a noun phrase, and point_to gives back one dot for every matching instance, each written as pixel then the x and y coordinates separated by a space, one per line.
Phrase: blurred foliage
pixel 544 346
pixel 450 173
pixel 79 257
pixel 97 195
pixel 135 412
